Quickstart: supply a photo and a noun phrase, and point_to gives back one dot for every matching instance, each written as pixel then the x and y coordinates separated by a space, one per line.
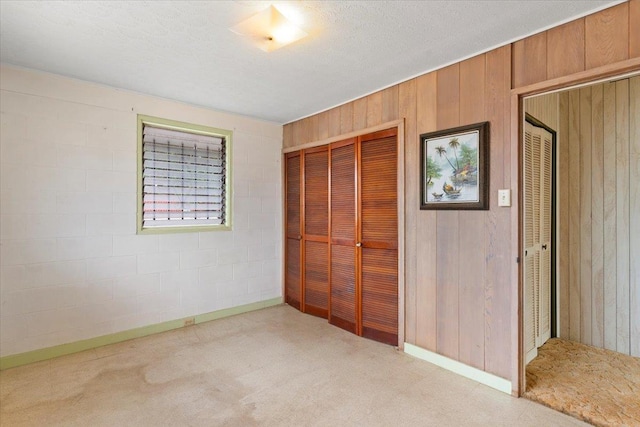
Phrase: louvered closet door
pixel 343 307
pixel 316 231
pixel 538 158
pixel 293 244
pixel 544 305
pixel 530 192
pixel 379 236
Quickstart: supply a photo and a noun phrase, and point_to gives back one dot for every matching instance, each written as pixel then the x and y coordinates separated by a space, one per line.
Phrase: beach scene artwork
pixel 451 168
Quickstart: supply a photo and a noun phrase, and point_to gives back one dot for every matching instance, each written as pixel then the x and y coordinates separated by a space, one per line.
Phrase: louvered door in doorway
pixel 538 168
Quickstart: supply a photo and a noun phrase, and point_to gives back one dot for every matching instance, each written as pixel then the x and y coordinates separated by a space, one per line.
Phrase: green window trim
pixel 194 129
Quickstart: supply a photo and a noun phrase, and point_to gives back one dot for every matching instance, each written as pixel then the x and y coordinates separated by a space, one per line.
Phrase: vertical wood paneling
pixel 565 49
pixel 323 125
pixel 634 213
pixel 574 215
pixel 374 109
pixel 472 277
pixel 507 341
pixel 447 238
pixel 552 54
pixel 390 104
pixel 634 24
pixel 518 65
pixel 287 136
pixel 314 129
pixel 426 263
pixel 346 118
pixel 407 109
pixel 597 216
pixel 585 215
pixel 622 214
pixel 304 131
pixel 360 113
pixel 563 212
pixel 607 36
pixel 498 296
pixel 610 247
pixel 295 133
pixel 335 122
pixel 602 38
pixel 601 313
pixel 544 108
pixel 530 60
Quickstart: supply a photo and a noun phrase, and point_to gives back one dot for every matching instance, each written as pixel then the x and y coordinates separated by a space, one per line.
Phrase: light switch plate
pixel 504 197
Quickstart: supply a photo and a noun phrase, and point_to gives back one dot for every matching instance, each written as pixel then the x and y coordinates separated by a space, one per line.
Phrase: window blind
pixel 183 178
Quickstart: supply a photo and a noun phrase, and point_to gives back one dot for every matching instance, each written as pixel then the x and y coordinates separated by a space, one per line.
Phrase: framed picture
pixel 454 168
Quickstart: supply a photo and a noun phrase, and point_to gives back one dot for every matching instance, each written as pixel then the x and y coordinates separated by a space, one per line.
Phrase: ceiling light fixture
pixel 269 29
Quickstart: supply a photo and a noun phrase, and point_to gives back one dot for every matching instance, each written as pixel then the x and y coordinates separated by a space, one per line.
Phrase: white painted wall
pixel 72 266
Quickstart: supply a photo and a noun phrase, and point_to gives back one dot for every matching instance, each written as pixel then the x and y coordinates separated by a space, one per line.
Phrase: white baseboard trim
pixel 459 368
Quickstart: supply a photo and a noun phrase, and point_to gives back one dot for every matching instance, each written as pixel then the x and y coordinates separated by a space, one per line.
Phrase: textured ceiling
pixel 183 50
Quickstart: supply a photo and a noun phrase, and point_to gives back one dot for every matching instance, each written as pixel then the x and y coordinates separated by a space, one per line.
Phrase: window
pixel 183 176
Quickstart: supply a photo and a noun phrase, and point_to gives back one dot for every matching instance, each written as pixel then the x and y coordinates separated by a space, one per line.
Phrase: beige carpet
pixel 273 367
pixel 599 386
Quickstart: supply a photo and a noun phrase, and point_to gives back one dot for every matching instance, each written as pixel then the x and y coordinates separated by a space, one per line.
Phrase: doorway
pixel 597 248
pixel 594 208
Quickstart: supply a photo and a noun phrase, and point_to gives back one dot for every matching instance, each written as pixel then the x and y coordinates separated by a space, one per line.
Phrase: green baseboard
pixel 20 359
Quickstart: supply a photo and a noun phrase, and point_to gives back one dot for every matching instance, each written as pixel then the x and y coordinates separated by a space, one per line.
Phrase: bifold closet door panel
pixel 379 236
pixel 316 278
pixel 293 276
pixel 343 287
pixel 316 231
pixel 380 295
pixel 343 305
pixel 293 244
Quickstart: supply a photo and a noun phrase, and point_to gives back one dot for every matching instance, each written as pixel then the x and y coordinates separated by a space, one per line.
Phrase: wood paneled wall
pixel 458 264
pixel 545 109
pixel 600 243
pixel 457 297
pixel 603 38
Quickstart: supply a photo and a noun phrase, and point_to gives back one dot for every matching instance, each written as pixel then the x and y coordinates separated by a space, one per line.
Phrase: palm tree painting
pixel 451 168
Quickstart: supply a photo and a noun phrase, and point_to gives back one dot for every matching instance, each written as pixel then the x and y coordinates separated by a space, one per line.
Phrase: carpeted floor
pixel 272 367
pixel 599 386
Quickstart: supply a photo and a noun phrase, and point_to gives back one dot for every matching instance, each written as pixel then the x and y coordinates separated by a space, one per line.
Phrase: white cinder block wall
pixel 72 266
